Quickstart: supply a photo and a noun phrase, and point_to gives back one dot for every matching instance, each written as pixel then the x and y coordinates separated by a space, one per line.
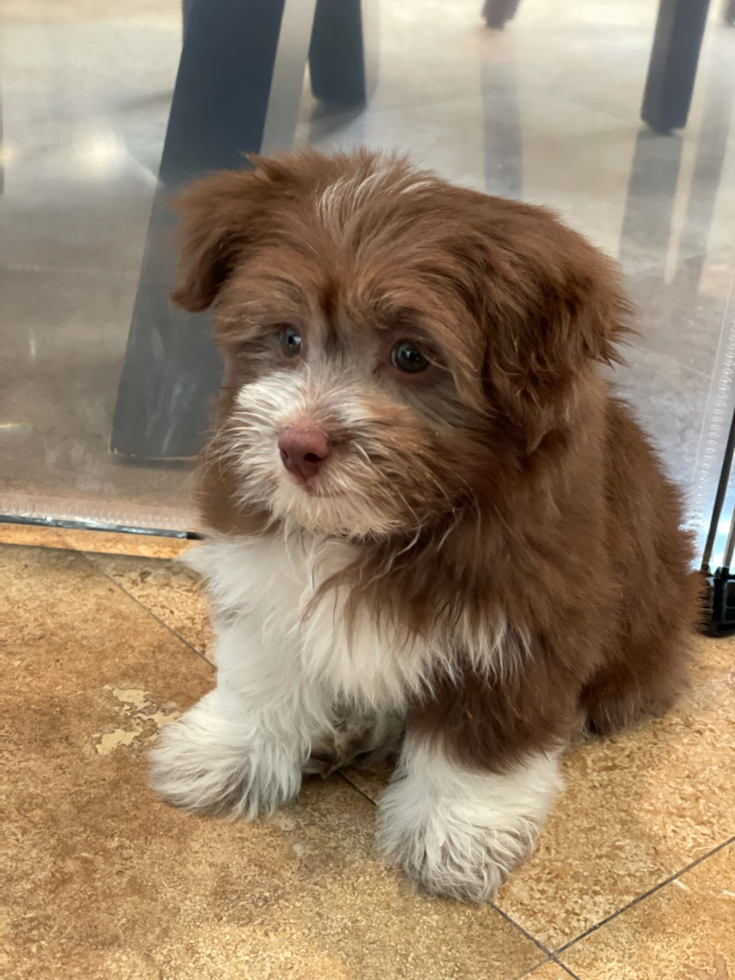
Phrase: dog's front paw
pixel 459 861
pixel 460 833
pixel 204 763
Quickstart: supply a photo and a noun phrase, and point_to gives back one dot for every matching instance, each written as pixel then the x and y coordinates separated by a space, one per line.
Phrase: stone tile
pixel 104 881
pixel 118 543
pixel 627 835
pixel 169 590
pixel 549 971
pixel 31 535
pixel 597 857
pixel 68 629
pixel 683 931
pixel 714 658
pixel 104 542
pixel 637 808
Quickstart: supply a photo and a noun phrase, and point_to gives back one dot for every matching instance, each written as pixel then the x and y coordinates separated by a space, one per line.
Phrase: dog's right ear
pixel 219 224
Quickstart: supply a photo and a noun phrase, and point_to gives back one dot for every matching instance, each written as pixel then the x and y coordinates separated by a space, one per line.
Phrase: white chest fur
pixel 266 586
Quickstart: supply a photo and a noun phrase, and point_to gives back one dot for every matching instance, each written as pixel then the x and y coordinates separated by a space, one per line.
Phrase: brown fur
pixel 529 489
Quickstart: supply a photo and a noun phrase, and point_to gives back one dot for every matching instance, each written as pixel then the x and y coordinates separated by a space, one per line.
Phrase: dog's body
pixel 425 508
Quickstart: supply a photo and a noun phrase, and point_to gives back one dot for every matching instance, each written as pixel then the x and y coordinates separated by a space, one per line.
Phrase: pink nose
pixel 303 450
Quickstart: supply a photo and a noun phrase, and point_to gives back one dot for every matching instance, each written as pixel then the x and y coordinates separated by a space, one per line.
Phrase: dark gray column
pixel 342 53
pixel 672 69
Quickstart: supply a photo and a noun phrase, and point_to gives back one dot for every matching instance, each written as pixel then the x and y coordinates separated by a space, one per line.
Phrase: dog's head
pixel 396 347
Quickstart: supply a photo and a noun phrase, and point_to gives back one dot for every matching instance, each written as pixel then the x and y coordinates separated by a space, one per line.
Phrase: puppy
pixel 425 509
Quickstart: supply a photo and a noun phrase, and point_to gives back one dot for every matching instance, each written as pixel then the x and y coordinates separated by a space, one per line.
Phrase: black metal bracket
pixel 721 603
pixel 721 582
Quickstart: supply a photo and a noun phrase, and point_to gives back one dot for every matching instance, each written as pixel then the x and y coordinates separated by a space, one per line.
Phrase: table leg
pixel 342 52
pixel 672 68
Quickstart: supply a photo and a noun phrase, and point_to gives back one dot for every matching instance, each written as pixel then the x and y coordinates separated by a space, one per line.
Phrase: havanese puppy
pixel 430 523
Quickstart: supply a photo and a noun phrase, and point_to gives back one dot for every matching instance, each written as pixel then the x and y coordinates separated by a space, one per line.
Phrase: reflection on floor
pixel 634 877
pixel 546 110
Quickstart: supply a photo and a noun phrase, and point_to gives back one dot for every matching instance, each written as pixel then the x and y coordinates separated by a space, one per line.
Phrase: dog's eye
pixel 290 340
pixel 407 356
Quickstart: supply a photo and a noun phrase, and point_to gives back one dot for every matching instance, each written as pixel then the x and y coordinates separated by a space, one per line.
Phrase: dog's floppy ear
pixel 217 214
pixel 553 306
pixel 224 217
pixel 232 213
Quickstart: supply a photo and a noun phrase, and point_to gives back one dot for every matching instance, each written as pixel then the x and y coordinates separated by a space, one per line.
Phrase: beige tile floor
pixel 634 876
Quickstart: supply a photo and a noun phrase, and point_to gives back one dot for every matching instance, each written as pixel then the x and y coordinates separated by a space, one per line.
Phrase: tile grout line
pixel 516 925
pixel 640 898
pixel 355 787
pixel 161 622
pixel 552 959
pixel 564 967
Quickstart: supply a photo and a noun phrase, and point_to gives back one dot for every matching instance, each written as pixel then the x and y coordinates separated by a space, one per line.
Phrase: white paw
pixel 461 833
pixel 455 859
pixel 205 763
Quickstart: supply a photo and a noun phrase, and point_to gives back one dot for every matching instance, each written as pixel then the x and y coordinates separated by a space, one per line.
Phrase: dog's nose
pixel 303 450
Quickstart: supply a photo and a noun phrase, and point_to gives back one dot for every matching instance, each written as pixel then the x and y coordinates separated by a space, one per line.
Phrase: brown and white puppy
pixel 425 508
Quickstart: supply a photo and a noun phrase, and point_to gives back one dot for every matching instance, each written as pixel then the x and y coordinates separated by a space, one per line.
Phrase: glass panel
pixel 547 110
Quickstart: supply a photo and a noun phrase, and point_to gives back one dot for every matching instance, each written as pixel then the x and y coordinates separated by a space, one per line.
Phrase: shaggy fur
pixel 485 550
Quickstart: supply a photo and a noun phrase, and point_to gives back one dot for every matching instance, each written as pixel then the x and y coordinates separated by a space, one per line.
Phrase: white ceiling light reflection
pixel 99 153
pixel 8 152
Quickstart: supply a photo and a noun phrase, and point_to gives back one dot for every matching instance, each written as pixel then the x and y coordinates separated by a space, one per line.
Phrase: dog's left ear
pixel 553 306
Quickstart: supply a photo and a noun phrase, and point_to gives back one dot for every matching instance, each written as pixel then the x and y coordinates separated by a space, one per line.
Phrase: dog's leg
pixel 242 748
pixel 460 832
pixel 643 682
pixel 477 775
